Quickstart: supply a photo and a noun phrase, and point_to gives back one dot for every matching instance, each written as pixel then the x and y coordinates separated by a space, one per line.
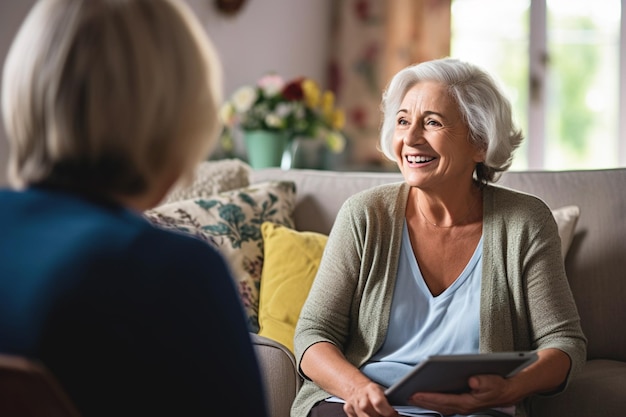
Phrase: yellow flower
pixel 328 103
pixel 298 108
pixel 338 119
pixel 311 93
pixel 227 142
pixel 335 142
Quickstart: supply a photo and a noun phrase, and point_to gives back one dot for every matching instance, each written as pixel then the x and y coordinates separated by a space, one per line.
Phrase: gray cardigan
pixel 526 302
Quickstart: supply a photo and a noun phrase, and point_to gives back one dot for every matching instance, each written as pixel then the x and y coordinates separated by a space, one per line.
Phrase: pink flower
pixel 271 84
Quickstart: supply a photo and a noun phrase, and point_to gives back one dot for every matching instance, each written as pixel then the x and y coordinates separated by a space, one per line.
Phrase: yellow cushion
pixel 291 260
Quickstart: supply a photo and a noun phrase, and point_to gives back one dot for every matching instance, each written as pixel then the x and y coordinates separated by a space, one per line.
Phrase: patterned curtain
pixel 371 41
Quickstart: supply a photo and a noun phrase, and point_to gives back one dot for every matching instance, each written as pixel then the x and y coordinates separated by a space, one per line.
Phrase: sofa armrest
pixel 598 390
pixel 279 373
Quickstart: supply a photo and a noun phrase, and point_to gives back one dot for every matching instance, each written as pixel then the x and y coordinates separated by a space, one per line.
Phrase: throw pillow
pixel 566 220
pixel 231 221
pixel 212 177
pixel 291 260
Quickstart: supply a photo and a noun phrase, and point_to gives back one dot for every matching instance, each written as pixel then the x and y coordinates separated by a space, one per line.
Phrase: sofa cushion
pixel 566 219
pixel 212 177
pixel 231 221
pixel 291 260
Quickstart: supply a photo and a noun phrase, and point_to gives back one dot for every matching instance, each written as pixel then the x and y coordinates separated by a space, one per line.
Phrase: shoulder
pixel 506 199
pixel 385 195
pixel 511 207
pixel 112 238
pixel 387 200
pixel 81 245
pixel 163 247
pixel 140 259
pixel 378 209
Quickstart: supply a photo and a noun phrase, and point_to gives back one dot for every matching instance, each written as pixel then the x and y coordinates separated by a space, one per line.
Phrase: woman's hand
pixel 547 374
pixel 328 368
pixel 367 399
pixel 487 391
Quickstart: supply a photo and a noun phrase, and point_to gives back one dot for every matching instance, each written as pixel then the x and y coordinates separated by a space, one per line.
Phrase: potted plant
pixel 274 115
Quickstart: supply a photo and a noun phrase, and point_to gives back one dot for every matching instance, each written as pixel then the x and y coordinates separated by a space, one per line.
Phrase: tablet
pixel 449 373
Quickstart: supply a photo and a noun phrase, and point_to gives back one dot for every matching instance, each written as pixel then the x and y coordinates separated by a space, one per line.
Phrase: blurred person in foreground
pixel 107 104
pixel 443 262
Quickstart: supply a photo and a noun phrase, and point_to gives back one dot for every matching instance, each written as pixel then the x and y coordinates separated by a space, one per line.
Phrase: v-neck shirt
pixel 422 324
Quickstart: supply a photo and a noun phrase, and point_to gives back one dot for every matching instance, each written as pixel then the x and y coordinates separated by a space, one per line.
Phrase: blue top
pixel 422 324
pixel 132 319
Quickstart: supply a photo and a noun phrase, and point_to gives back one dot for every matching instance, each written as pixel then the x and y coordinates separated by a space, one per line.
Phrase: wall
pixel 290 37
pixel 287 36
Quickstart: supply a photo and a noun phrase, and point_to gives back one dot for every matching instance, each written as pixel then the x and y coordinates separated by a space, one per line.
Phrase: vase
pixel 305 153
pixel 265 148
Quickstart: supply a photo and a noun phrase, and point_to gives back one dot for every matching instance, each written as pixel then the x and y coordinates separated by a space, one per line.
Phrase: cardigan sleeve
pixel 349 302
pixel 526 302
pixel 325 315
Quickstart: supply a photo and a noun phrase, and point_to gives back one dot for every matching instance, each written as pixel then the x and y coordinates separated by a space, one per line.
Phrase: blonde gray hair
pixel 107 95
pixel 481 101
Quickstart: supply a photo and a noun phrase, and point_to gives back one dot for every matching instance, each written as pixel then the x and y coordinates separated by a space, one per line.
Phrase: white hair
pixel 106 94
pixel 482 103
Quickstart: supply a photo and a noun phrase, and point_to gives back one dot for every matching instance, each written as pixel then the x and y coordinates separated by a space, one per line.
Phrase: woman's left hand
pixel 487 391
pixel 547 374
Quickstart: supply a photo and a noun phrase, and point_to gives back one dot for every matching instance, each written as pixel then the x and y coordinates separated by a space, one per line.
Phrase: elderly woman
pixel 107 103
pixel 444 262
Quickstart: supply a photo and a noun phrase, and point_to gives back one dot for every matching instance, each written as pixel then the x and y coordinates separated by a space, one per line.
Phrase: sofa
pixel 595 264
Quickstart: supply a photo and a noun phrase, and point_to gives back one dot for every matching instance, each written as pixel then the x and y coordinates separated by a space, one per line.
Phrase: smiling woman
pixel 445 262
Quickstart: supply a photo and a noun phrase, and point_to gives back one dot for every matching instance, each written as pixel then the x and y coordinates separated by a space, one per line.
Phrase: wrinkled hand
pixel 487 391
pixel 368 400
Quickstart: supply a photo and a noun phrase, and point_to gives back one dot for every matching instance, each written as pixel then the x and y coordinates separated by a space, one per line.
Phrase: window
pixel 559 61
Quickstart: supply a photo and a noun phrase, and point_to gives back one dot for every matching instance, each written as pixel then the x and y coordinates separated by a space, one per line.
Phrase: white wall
pixel 290 37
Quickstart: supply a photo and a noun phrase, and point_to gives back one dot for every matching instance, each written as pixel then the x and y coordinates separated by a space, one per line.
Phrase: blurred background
pixel 560 61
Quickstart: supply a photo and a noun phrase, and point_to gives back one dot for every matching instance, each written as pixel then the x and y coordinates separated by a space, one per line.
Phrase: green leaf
pixel 232 214
pixel 207 204
pixel 247 199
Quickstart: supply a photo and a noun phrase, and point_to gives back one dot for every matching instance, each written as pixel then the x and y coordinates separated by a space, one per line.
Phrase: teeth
pixel 413 158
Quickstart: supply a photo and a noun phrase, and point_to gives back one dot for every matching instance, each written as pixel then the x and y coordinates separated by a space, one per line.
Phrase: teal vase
pixel 265 148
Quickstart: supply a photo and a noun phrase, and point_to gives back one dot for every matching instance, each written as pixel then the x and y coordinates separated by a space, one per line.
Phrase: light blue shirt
pixel 422 324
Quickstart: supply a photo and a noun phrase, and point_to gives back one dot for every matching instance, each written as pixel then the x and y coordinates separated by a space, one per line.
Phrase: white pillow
pixel 566 219
pixel 210 178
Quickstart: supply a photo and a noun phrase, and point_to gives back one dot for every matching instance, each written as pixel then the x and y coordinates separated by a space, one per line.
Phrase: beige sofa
pixel 595 264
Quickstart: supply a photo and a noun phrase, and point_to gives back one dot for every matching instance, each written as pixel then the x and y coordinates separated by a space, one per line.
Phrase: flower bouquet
pixel 296 109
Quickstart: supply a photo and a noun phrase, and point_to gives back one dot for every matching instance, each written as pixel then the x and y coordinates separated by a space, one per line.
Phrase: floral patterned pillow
pixel 231 221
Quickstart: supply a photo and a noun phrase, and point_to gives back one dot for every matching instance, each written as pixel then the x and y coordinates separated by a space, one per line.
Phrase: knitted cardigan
pixel 526 301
